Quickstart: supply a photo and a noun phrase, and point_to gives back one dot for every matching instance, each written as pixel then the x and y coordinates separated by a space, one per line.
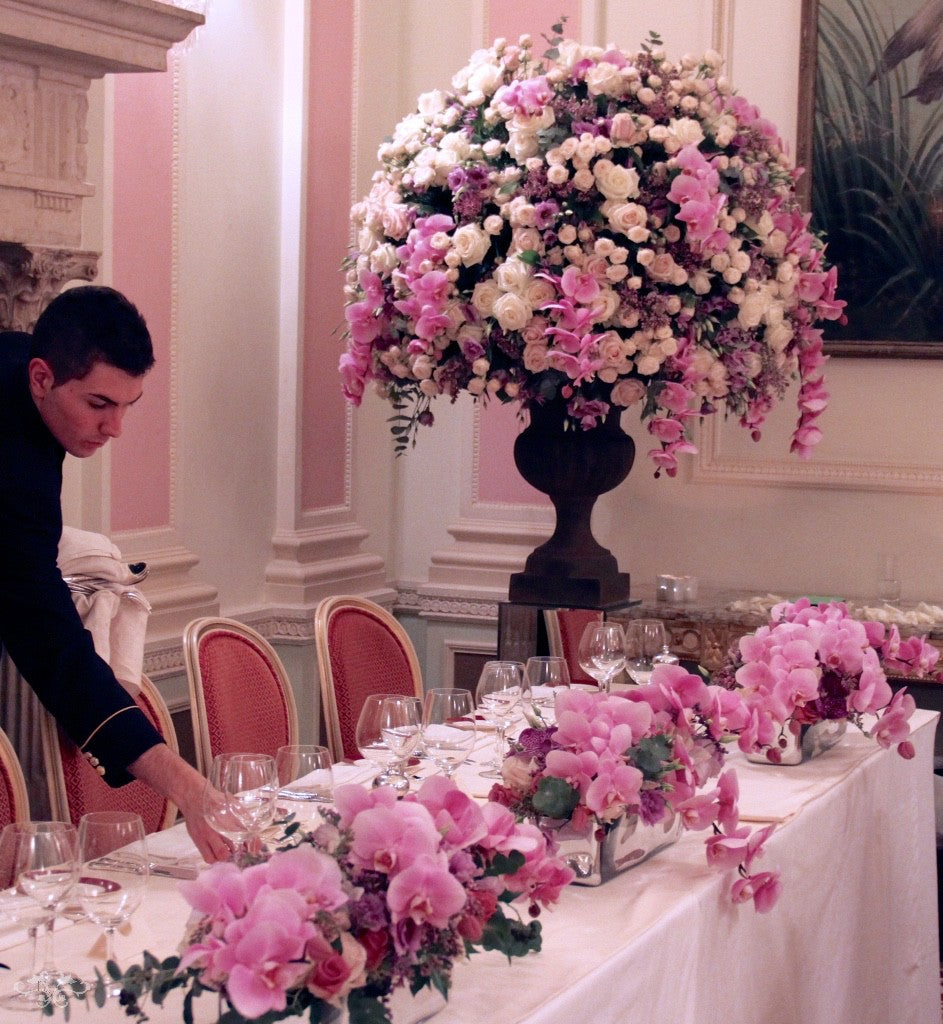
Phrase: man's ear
pixel 41 379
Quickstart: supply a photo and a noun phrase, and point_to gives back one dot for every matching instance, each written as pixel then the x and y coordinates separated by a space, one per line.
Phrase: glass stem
pixel 49 966
pixel 499 745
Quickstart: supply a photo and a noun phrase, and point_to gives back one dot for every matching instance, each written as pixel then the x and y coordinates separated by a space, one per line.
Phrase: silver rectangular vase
pixel 628 842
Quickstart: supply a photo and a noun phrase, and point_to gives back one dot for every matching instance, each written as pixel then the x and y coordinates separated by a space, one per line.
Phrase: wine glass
pixel 544 676
pixel 644 639
pixel 114 872
pixel 388 731
pixel 448 727
pixel 498 696
pixel 602 651
pixel 18 908
pixel 46 868
pixel 305 778
pixel 239 798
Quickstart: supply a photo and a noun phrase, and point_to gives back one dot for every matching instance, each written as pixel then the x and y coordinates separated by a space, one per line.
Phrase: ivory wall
pixel 222 189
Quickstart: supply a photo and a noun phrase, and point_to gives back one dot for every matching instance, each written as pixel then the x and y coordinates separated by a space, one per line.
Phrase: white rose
pixel 484 296
pixel 431 103
pixel 778 336
pixel 604 78
pixel 752 309
pixel 557 174
pixel 522 145
pixel 539 292
pixel 512 312
pixel 615 181
pixel 686 131
pixel 383 260
pixel 471 244
pixel 513 276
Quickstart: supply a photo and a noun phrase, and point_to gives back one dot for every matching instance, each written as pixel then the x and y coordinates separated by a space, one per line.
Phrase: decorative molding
pixel 93 37
pixel 30 277
pixel 445 607
pixel 722 23
pixel 712 465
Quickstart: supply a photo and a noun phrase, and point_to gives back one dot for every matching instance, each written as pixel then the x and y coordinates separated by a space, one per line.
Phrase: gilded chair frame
pixel 324 613
pixel 13 780
pixel 193 636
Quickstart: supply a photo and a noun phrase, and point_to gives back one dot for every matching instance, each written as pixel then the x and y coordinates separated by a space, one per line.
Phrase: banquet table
pixel 853 938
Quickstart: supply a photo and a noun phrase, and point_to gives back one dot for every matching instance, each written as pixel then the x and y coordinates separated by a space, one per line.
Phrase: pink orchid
pixel 456 816
pixel 425 891
pixel 389 839
pixel 763 888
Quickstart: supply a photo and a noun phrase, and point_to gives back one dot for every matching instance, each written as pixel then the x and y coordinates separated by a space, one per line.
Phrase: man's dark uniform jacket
pixel 39 625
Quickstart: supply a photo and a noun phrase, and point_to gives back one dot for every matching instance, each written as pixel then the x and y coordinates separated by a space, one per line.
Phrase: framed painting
pixel 870 135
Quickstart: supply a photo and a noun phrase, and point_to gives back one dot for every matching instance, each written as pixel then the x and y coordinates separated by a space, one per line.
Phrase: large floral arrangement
pixel 816 663
pixel 648 752
pixel 604 228
pixel 385 894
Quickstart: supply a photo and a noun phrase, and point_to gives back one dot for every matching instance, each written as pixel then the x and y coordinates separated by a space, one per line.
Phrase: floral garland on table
pixel 385 894
pixel 816 663
pixel 647 751
pixel 605 228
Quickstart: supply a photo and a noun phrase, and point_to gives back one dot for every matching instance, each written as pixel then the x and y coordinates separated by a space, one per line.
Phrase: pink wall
pixel 143 252
pixel 326 241
pixel 498 479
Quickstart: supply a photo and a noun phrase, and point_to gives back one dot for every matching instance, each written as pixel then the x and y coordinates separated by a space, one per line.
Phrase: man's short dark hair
pixel 88 325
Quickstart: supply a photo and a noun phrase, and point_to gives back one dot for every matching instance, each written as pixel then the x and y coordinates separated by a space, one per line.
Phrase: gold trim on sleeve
pixel 102 724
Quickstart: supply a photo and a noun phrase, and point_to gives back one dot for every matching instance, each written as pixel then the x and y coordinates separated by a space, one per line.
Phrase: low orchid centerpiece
pixel 816 663
pixel 647 752
pixel 386 894
pixel 601 228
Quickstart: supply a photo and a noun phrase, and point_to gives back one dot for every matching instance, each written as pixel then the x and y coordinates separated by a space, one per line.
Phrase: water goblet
pixel 644 639
pixel 305 779
pixel 45 869
pixel 17 908
pixel 544 676
pixel 498 697
pixel 388 731
pixel 114 873
pixel 602 652
pixel 239 798
pixel 448 727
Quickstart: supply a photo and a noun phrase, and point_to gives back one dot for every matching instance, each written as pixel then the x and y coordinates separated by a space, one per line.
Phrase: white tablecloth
pixel 853 939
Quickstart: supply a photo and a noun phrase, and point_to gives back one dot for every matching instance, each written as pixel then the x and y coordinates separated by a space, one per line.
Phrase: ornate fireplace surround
pixel 50 51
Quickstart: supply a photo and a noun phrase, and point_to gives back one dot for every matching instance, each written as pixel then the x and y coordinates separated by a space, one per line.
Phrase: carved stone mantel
pixel 50 50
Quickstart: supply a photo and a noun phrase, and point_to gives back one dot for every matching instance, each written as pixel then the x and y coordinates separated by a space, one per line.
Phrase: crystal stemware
pixel 448 727
pixel 544 676
pixel 602 651
pixel 239 798
pixel 498 696
pixel 46 868
pixel 17 908
pixel 114 872
pixel 305 779
pixel 388 731
pixel 644 639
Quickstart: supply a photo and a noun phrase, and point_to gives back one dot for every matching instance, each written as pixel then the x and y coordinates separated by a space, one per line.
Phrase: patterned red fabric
pixel 245 706
pixel 572 622
pixel 6 797
pixel 87 791
pixel 365 658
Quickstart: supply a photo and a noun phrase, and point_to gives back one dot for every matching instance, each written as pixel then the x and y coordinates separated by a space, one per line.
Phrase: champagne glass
pixel 498 696
pixel 46 868
pixel 644 639
pixel 114 872
pixel 544 676
pixel 239 798
pixel 388 731
pixel 18 908
pixel 305 779
pixel 602 651
pixel 448 727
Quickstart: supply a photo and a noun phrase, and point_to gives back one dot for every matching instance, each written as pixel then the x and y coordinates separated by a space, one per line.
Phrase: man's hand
pixel 180 782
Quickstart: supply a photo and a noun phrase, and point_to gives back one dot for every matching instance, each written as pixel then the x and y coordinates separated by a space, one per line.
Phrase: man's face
pixel 83 415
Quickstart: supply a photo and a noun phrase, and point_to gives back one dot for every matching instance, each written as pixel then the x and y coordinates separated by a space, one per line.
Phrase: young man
pixel 67 389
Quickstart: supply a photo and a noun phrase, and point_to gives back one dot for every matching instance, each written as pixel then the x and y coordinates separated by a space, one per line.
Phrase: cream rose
pixel 512 312
pixel 627 392
pixel 471 243
pixel 615 181
pixel 484 296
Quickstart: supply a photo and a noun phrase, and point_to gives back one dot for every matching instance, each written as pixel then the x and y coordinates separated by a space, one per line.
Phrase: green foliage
pixel 555 798
pixel 510 936
pixel 652 756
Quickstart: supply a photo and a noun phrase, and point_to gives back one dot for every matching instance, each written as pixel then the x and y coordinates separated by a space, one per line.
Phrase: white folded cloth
pixel 111 606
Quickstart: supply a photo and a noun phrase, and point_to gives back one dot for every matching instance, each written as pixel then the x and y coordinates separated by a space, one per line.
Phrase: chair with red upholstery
pixel 14 802
pixel 241 699
pixel 75 788
pixel 361 649
pixel 564 628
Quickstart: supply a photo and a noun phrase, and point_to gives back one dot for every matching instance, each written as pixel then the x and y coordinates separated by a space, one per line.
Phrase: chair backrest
pixel 75 788
pixel 240 697
pixel 564 629
pixel 14 802
pixel 361 649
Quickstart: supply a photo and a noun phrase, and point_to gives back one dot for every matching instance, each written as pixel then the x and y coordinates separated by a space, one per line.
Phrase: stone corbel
pixel 31 276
